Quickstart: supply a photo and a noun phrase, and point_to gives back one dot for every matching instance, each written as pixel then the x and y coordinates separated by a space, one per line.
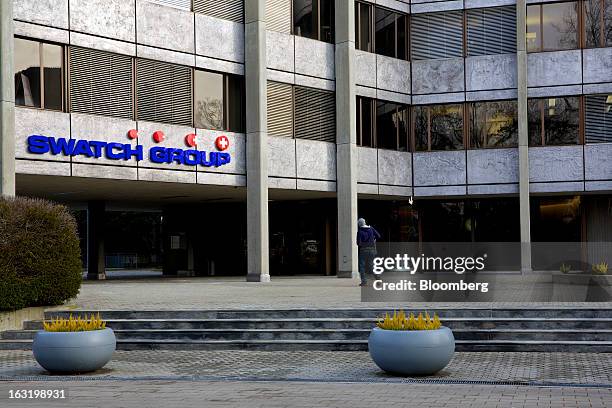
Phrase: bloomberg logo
pixel 39 144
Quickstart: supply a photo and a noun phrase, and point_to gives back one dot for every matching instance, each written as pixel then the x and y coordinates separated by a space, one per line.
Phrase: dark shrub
pixel 39 254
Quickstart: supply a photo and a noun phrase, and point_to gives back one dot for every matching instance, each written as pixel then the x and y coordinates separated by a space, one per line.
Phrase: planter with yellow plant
pixel 79 344
pixel 410 345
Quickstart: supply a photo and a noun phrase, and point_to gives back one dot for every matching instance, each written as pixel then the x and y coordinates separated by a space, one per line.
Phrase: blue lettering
pixel 128 152
pixel 212 159
pixel 82 147
pixel 110 154
pixel 38 144
pixel 175 155
pixel 191 157
pixel 97 148
pixel 222 158
pixel 62 146
pixel 158 154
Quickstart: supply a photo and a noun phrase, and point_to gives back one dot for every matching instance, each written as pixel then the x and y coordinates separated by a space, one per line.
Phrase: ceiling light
pixel 609 99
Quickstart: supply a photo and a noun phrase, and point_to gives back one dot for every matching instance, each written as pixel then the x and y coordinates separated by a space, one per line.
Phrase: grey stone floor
pixel 138 394
pixel 325 366
pixel 236 293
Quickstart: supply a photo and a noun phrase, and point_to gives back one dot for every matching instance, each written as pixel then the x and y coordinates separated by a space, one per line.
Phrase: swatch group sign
pixel 39 144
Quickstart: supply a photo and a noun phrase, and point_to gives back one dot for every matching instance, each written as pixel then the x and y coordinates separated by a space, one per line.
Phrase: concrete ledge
pixel 13 320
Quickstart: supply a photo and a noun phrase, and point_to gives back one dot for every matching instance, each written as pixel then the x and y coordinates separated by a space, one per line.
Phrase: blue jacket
pixel 367 236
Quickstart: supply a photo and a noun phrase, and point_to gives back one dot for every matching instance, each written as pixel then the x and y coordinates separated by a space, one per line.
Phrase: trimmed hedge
pixel 40 261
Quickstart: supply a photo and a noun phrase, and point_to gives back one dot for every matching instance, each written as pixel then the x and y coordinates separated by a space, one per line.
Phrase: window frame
pixel 579 27
pixel 316 25
pixel 372 29
pixel 63 78
pixel 542 120
pixel 226 77
pixel 602 26
pixel 464 130
pixel 469 109
pixel 374 124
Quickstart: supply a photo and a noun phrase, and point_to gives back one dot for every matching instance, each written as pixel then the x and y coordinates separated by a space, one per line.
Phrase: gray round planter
pixel 411 352
pixel 74 351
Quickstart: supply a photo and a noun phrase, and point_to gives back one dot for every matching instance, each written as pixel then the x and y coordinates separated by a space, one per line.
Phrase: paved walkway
pixel 347 366
pixel 236 293
pixel 164 394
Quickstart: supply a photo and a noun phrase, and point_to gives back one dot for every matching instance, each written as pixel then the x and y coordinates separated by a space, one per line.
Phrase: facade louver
pixel 278 16
pixel 437 35
pixel 100 83
pixel 315 114
pixel 280 109
pixel 491 31
pixel 163 92
pixel 232 10
pixel 598 119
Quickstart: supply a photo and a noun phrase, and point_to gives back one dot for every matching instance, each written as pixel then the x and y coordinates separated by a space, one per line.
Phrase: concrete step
pixel 337 345
pixel 568 312
pixel 333 334
pixel 455 323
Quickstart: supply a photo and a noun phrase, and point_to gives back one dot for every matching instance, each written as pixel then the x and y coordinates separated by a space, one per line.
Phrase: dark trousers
pixel 366 260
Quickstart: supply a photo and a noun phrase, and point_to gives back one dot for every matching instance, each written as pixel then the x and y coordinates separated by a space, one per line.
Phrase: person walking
pixel 366 243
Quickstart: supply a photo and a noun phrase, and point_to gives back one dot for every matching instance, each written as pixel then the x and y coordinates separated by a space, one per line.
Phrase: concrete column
pixel 7 101
pixel 346 139
pixel 523 135
pixel 256 141
pixel 96 265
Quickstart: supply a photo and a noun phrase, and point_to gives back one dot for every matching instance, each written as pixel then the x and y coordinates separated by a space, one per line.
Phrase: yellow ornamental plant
pixel 601 268
pixel 78 324
pixel 399 321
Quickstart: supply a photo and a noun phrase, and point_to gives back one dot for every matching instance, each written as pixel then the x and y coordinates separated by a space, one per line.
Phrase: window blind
pixel 280 109
pixel 163 92
pixel 598 118
pixel 491 31
pixel 437 35
pixel 278 15
pixel 100 83
pixel 315 114
pixel 232 10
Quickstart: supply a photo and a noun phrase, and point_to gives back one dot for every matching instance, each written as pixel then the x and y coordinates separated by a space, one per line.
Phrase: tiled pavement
pixel 325 366
pixel 167 394
pixel 236 293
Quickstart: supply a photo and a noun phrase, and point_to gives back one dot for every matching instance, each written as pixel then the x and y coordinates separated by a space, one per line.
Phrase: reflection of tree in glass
pixel 494 124
pixel 592 20
pixel 561 121
pixel 568 25
pixel 446 128
pixel 209 114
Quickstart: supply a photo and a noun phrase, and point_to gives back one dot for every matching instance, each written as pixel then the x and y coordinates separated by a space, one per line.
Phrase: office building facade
pixel 243 137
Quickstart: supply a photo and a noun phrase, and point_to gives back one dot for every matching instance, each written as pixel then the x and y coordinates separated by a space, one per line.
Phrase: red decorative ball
pixel 222 142
pixel 132 134
pixel 158 136
pixel 190 140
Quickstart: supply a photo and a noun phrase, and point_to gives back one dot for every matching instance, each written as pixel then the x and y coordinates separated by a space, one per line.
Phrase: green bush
pixel 40 260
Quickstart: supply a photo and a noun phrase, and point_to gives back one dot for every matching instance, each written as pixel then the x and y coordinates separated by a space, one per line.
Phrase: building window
pixel 365 122
pixel 598 118
pixel 436 35
pixel 493 124
pixel 314 114
pixel 552 26
pixel 388 29
pixel 363 27
pixel 554 121
pixel 164 92
pixel 39 78
pixel 438 127
pixel 597 23
pixel 314 19
pixel 218 101
pixel 491 31
pixel 381 124
pixel 391 126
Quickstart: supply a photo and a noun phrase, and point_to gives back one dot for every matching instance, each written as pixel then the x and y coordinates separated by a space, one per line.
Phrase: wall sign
pixel 39 144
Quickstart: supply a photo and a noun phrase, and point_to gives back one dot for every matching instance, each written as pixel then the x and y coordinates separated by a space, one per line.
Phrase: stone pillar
pixel 523 135
pixel 346 139
pixel 7 101
pixel 256 141
pixel 96 265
